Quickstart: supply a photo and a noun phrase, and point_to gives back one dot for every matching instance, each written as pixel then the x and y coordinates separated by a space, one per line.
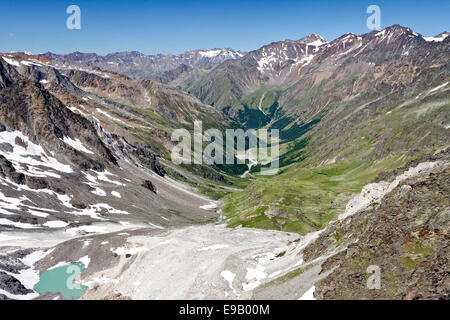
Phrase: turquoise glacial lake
pixel 62 280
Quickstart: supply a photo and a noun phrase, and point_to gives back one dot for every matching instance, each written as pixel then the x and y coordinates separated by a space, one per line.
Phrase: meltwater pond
pixel 63 280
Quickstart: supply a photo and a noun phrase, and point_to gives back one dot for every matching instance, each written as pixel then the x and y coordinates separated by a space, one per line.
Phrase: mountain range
pixel 85 168
pixel 164 68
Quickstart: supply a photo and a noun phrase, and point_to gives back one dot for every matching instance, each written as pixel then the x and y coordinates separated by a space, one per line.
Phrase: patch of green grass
pixel 416 252
pixel 302 199
pixel 410 262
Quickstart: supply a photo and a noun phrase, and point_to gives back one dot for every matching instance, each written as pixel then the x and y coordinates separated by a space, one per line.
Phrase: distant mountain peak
pixel 313 39
pixel 216 52
pixel 398 30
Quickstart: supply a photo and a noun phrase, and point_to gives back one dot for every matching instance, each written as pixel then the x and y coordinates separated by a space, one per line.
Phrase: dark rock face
pixel 149 185
pixel 12 263
pixel 150 159
pixel 4 146
pixel 7 170
pixel 12 285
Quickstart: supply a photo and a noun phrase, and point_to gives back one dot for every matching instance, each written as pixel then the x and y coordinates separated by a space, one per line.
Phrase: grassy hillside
pixel 325 169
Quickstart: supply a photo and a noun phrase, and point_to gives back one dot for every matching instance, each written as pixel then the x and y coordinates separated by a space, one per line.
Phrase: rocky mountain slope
pixel 294 82
pixel 231 81
pixel 82 146
pixel 402 227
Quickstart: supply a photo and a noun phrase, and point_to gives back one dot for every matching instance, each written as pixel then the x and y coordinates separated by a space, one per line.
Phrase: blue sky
pixel 155 26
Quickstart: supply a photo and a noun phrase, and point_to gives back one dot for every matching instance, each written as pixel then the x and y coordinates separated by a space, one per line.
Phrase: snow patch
pixel 210 206
pixel 32 155
pixel 28 277
pixel 20 225
pixel 210 53
pixel 123 251
pixel 229 277
pixel 439 38
pixel 374 192
pixel 308 295
pixel 257 274
pixel 77 145
pixel 214 247
pixel 85 260
pixel 108 115
pixel 439 87
pixel 116 194
pixel 11 61
pixel 99 192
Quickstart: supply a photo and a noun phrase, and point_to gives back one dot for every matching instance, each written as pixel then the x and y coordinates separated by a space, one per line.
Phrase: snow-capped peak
pixel 227 53
pixel 439 38
pixel 313 40
pixel 210 53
